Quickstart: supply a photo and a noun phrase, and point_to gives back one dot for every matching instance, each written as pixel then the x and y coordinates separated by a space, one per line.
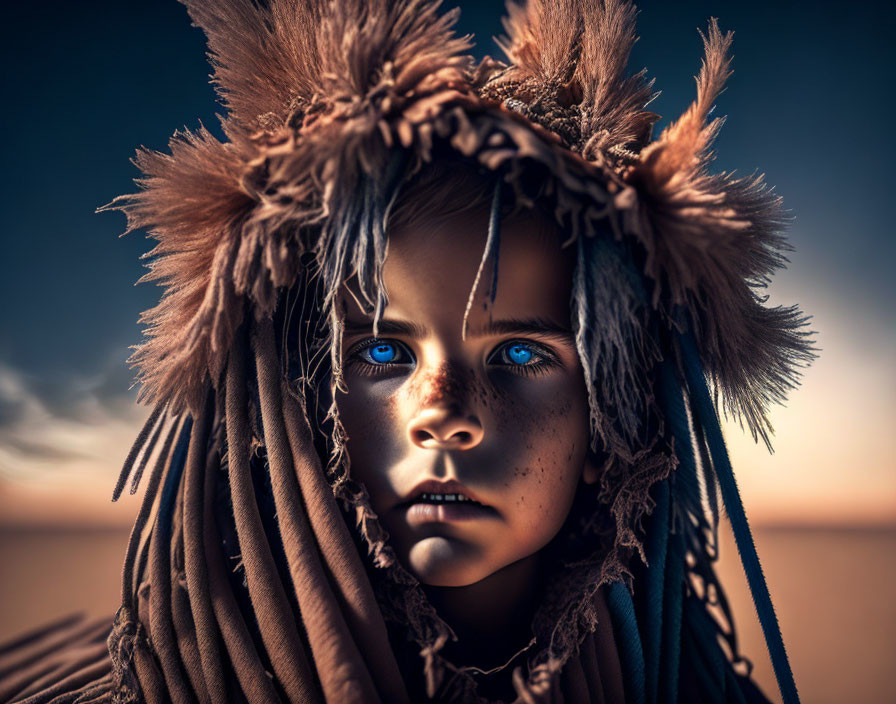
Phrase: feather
pixel 712 241
pixel 192 203
pixel 375 43
pixel 575 53
pixel 542 39
pixel 612 108
pixel 266 57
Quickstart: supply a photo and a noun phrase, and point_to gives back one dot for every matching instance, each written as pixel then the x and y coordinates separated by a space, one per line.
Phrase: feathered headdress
pixel 318 94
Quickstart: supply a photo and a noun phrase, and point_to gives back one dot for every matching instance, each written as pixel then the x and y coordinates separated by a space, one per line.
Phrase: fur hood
pixel 318 93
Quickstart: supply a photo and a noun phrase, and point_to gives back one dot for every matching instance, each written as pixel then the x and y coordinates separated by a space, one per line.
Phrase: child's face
pixel 503 412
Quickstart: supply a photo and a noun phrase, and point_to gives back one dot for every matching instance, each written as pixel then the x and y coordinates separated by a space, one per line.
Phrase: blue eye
pixel 382 353
pixel 378 357
pixel 518 354
pixel 524 357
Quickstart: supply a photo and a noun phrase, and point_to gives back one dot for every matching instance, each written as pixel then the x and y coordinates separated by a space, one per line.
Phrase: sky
pixel 84 84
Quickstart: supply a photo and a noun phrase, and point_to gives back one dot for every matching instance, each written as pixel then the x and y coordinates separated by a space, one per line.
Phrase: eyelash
pixel 362 366
pixel 546 359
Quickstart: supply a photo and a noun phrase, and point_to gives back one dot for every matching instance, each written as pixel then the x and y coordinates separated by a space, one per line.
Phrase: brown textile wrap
pixel 257 570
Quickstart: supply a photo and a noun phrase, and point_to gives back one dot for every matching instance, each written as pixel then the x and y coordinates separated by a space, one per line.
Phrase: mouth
pixel 436 501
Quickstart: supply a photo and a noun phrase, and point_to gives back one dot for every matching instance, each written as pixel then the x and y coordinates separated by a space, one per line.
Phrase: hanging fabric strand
pixel 492 246
pixel 656 547
pixel 324 623
pixel 131 561
pixel 675 576
pixel 708 419
pixel 276 619
pixel 206 628
pixel 248 668
pixel 631 654
pixel 159 613
pixel 139 444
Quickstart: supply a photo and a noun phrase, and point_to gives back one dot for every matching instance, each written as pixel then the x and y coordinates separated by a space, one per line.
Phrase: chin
pixel 446 562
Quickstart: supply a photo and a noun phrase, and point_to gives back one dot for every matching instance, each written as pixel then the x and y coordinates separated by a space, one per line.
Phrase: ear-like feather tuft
pixel 682 148
pixel 276 58
pixel 712 240
pixel 612 109
pixel 192 203
pixel 570 59
pixel 543 38
pixel 372 44
pixel 266 56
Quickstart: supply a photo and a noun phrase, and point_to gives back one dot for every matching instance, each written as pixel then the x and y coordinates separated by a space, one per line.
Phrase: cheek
pixel 372 421
pixel 544 427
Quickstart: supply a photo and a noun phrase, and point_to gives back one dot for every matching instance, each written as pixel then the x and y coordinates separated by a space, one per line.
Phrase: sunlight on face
pixel 503 413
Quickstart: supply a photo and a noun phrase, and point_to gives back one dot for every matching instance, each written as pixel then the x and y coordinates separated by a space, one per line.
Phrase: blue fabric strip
pixel 671 661
pixel 657 541
pixel 707 417
pixel 631 656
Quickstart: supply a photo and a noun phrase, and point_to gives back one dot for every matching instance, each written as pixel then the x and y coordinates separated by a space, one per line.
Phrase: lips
pixel 419 514
pixel 419 506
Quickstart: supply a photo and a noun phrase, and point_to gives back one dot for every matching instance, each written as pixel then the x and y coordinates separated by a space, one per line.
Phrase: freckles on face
pixel 540 438
pixel 444 384
pixel 502 412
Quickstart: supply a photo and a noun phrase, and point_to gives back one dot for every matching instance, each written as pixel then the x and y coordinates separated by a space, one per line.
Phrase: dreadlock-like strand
pixel 244 657
pixel 276 619
pixel 363 615
pixel 195 568
pixel 161 626
pixel 181 614
pixel 152 683
pixel 327 632
pixel 139 444
pixel 135 553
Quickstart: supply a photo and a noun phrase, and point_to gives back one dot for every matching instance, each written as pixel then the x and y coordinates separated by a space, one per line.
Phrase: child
pixel 431 416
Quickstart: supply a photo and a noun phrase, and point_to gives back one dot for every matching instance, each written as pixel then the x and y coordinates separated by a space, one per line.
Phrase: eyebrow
pixel 509 326
pixel 388 327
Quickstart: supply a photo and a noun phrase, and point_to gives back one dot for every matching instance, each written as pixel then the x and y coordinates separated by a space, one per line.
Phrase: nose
pixel 445 428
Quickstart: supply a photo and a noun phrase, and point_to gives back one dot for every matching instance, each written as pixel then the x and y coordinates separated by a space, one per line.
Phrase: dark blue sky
pixel 85 83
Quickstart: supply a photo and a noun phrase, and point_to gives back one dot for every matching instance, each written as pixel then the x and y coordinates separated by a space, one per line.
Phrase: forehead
pixel 431 267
